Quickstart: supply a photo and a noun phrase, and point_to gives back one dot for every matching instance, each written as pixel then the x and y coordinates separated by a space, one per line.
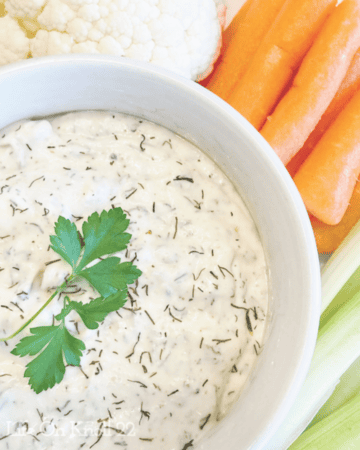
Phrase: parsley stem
pixel 58 291
pixel 66 300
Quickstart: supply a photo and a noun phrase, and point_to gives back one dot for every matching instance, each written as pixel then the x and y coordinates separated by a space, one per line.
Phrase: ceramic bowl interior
pixel 41 87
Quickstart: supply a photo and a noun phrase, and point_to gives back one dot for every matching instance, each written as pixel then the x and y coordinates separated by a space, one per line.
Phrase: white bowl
pixel 45 86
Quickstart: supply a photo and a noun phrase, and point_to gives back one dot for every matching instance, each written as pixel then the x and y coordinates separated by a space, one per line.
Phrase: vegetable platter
pixel 292 68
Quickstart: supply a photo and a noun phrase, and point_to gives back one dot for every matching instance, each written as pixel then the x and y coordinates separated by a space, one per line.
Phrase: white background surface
pixel 233 7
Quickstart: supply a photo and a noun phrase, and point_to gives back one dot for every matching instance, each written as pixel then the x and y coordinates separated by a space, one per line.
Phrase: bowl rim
pixel 266 153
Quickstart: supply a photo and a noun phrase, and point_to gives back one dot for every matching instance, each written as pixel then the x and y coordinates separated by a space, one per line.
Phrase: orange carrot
pixel 227 37
pixel 328 176
pixel 316 83
pixel 278 56
pixel 243 44
pixel 235 24
pixel 348 87
pixel 329 237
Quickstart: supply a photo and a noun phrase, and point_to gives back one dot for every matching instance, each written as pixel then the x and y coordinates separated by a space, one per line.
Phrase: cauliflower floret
pixel 79 29
pixel 77 4
pixel 160 53
pixel 142 52
pixel 14 45
pixel 141 33
pixel 24 8
pixel 145 11
pixel 180 35
pixel 130 9
pixel 90 13
pixel 110 46
pixel 177 59
pixel 51 43
pixel 125 42
pixel 122 4
pixel 186 11
pixel 56 16
pixel 85 47
pixel 95 35
pixel 104 10
pixel 118 24
pixel 167 30
pixel 201 32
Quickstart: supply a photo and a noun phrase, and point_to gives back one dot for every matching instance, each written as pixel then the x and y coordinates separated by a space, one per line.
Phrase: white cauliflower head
pixel 180 35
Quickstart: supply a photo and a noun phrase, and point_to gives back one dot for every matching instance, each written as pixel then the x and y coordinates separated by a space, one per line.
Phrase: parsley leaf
pixel 109 275
pixel 66 242
pixel 48 368
pixel 96 310
pixel 104 235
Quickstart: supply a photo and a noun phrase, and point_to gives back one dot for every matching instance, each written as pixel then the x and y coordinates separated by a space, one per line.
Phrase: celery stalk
pixel 340 266
pixel 347 291
pixel 347 389
pixel 337 347
pixel 339 431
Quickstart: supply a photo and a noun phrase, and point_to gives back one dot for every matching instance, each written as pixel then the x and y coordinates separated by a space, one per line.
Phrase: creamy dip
pixel 163 370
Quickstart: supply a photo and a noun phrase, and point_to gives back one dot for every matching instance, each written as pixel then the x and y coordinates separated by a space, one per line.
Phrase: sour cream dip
pixel 164 370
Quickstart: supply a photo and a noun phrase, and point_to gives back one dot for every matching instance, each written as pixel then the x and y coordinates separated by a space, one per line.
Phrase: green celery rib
pixel 347 389
pixel 337 347
pixel 342 264
pixel 347 291
pixel 339 431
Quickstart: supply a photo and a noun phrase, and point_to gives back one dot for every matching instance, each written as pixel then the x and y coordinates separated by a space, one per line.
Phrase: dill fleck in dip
pixel 163 370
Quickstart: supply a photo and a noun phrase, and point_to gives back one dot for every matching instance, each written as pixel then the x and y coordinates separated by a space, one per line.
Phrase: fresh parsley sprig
pixel 103 234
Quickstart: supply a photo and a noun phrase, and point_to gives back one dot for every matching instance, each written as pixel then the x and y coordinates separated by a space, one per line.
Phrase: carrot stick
pixel 329 237
pixel 243 44
pixel 235 24
pixel 280 53
pixel 328 176
pixel 227 37
pixel 316 83
pixel 348 87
